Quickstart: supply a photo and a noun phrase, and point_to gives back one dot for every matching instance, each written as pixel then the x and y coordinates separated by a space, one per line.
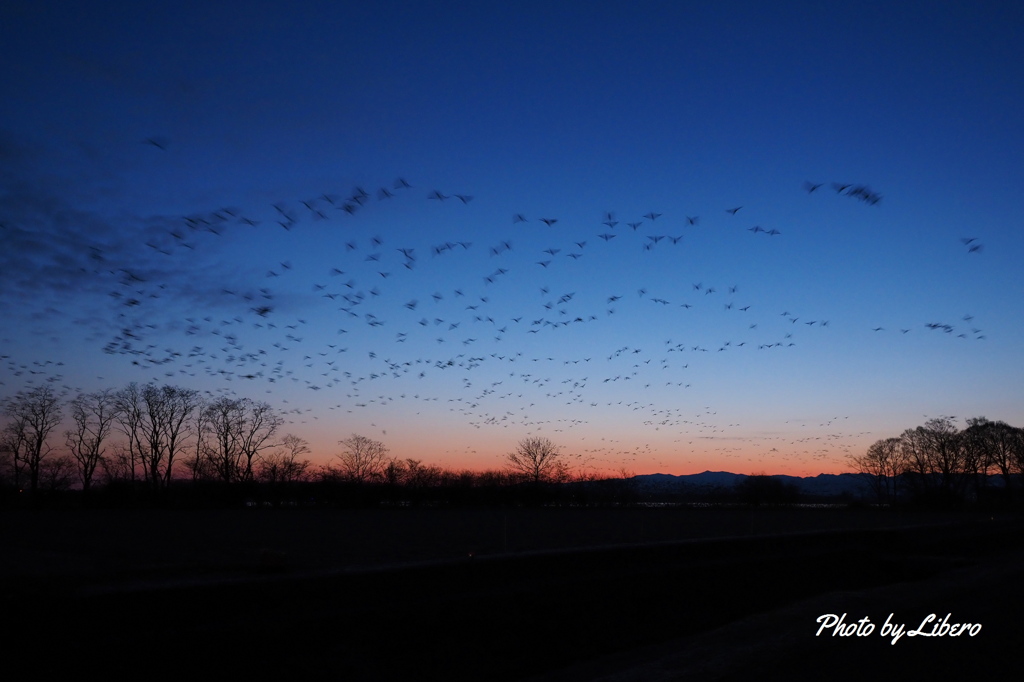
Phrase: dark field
pixel 99 547
pixel 396 594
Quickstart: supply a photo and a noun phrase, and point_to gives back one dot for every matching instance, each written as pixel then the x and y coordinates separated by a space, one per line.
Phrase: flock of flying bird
pixel 272 332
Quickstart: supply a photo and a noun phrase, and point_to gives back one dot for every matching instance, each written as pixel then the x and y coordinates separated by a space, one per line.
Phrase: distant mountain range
pixel 822 485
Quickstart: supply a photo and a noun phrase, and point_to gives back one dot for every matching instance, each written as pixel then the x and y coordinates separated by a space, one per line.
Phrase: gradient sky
pixel 174 184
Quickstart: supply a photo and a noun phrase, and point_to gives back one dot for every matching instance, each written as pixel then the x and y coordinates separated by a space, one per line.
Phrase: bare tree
pixel 419 475
pixel 57 473
pixel 220 440
pixel 939 461
pixel 992 445
pixel 914 452
pixel 200 464
pixel 537 459
pixel 260 423
pixel 946 454
pixel 362 459
pixel 393 473
pixel 884 461
pixel 170 409
pixel 236 431
pixel 283 465
pixel 157 421
pixel 94 416
pixel 35 413
pixel 118 466
pixel 14 447
pixel 130 408
pixel 1017 449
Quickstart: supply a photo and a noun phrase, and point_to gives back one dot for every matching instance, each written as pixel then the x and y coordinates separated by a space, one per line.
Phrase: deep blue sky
pixel 150 156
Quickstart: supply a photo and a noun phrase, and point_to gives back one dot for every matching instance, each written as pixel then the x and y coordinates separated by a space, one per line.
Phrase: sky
pixel 670 237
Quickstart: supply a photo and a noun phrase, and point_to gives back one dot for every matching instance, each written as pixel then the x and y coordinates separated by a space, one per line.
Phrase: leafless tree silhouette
pixel 937 462
pixel 936 448
pixel 13 448
pixel 884 461
pixel 538 459
pixel 995 446
pixel 34 414
pixel 236 430
pixel 362 459
pixel 94 416
pixel 285 463
pixel 157 421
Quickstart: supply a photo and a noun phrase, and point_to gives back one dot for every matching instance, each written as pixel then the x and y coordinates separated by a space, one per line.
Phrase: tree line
pixel 141 438
pixel 141 434
pixel 939 464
